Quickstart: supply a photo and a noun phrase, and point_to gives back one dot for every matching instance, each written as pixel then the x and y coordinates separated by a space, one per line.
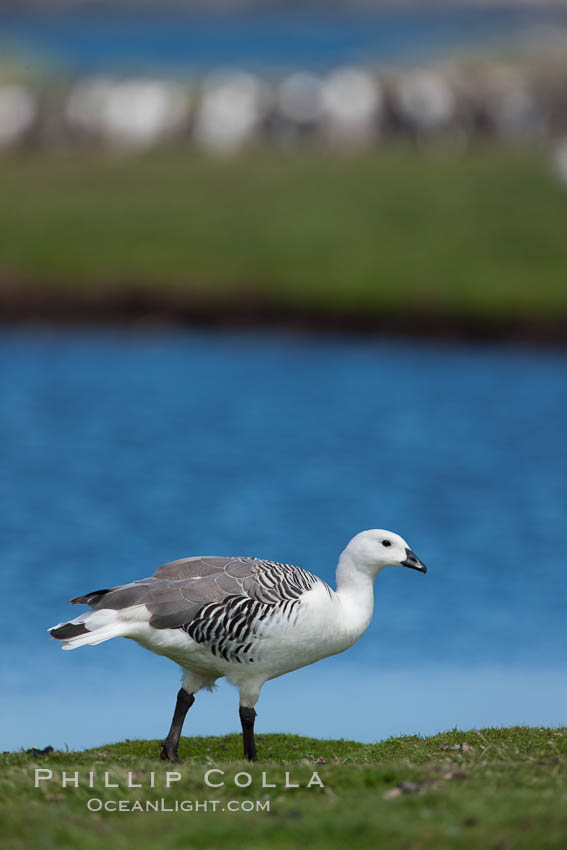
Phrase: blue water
pixel 173 38
pixel 123 450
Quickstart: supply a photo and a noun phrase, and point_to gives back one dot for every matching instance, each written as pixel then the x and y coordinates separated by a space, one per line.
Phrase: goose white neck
pixel 355 590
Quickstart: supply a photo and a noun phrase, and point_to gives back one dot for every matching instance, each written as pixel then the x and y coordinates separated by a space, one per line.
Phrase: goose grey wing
pixel 196 587
pixel 194 590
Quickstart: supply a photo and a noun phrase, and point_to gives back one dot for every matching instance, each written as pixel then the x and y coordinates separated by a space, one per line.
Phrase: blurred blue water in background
pixel 164 36
pixel 123 450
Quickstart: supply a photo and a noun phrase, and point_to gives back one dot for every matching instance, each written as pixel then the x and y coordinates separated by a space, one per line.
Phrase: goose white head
pixel 372 550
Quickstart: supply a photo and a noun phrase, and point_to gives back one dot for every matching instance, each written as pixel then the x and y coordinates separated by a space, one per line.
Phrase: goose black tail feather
pixel 68 630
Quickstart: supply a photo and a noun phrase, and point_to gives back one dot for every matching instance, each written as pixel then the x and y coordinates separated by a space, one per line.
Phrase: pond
pixel 126 449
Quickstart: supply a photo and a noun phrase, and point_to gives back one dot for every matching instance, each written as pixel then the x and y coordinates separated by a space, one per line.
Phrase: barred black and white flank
pixel 244 618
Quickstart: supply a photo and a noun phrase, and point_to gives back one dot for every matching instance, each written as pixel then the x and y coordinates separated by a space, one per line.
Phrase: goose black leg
pixel 171 743
pixel 247 717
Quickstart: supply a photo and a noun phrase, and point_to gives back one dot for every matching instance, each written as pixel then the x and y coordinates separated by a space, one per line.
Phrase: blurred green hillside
pixel 395 233
pixel 501 789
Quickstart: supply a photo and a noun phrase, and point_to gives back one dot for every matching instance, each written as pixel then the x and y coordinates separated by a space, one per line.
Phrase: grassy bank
pixel 503 789
pixel 395 233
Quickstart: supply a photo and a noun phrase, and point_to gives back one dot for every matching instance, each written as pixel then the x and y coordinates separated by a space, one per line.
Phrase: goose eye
pixel 386 543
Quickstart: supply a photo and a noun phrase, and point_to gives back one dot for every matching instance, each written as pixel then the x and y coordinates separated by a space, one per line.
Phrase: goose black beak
pixel 413 562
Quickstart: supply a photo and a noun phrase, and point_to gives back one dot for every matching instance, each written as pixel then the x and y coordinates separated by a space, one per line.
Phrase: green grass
pixel 497 788
pixel 479 234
